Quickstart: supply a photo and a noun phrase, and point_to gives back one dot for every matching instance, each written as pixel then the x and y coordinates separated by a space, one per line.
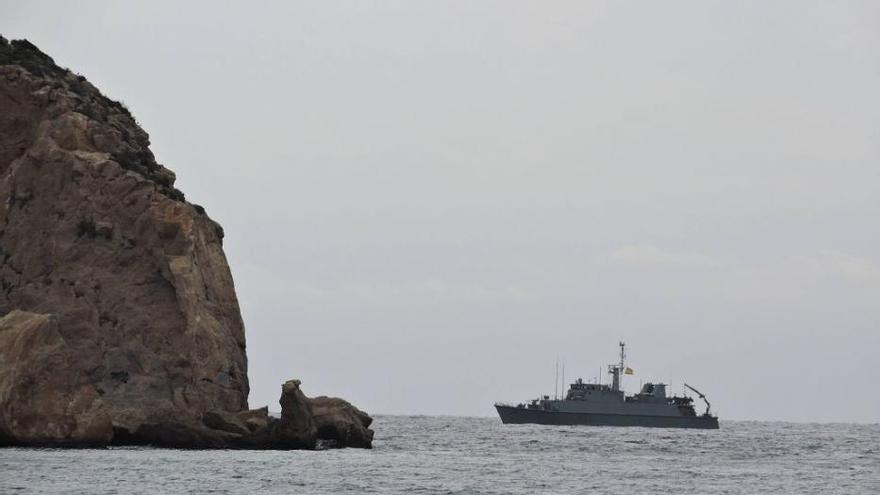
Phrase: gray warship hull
pixel 519 415
pixel 599 404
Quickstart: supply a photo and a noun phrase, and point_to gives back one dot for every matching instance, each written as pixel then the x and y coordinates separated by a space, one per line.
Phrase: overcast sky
pixel 426 202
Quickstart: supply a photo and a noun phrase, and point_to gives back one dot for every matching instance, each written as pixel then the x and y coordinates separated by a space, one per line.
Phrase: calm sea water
pixel 478 455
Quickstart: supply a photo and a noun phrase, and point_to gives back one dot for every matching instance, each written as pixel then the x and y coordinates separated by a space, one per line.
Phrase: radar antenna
pixel 618 370
pixel 702 396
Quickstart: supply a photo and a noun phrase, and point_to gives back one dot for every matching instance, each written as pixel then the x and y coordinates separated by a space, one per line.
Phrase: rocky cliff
pixel 121 320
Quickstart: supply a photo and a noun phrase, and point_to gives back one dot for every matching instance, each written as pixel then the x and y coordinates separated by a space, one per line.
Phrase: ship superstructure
pixel 608 405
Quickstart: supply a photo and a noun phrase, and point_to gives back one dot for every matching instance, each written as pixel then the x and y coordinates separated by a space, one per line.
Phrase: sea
pixel 457 455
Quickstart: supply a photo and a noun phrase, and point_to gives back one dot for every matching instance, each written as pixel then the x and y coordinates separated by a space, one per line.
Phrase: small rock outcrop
pixel 340 424
pixel 120 323
pixel 297 424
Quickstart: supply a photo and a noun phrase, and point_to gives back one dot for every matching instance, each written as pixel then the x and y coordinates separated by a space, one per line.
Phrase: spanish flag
pixel 628 371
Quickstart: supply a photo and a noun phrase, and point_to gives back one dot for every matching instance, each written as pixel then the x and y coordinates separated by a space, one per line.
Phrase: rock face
pixel 48 399
pixel 109 274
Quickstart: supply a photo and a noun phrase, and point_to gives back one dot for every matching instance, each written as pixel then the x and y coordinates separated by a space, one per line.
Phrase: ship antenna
pixel 563 380
pixel 556 381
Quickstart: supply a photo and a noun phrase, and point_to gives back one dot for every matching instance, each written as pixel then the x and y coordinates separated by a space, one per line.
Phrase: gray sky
pixel 426 202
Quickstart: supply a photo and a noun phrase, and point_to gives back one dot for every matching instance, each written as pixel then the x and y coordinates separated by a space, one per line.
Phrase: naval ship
pixel 608 405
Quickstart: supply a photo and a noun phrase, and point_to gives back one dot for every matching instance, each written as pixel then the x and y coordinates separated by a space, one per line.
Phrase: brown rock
pixel 91 230
pixel 145 332
pixel 223 421
pixel 47 399
pixel 296 428
pixel 341 424
pixel 255 419
pixel 319 422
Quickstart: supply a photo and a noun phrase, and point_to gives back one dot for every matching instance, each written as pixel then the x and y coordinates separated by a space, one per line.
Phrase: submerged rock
pixel 110 275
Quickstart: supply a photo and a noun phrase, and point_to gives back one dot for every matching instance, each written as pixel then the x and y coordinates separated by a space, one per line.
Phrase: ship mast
pixel 616 371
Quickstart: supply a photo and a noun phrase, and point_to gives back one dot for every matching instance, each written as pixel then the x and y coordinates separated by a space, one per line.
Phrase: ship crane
pixel 708 406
